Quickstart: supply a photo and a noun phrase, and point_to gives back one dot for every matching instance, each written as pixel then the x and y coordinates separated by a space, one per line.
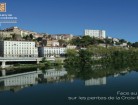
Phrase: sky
pixel 118 17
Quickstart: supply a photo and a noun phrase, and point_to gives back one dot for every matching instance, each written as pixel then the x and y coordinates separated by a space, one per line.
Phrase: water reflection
pixel 97 81
pixel 91 75
pixel 41 87
pixel 52 75
pixel 19 81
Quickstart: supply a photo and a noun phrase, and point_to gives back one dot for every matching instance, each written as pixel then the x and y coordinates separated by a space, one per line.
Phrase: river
pixel 60 87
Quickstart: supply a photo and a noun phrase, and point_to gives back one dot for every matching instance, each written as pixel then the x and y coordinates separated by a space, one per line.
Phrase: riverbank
pixel 42 65
pixel 22 66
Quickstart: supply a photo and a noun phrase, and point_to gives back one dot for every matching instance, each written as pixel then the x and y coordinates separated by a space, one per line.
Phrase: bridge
pixel 18 59
pixel 25 59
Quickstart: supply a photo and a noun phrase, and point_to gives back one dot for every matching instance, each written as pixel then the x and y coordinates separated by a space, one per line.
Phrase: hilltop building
pixel 8 32
pixel 95 33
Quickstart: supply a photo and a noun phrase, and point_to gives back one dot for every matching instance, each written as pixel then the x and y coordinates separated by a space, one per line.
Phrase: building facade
pixel 65 37
pixel 18 49
pixel 95 33
pixel 51 51
pixel 71 47
pixel 52 43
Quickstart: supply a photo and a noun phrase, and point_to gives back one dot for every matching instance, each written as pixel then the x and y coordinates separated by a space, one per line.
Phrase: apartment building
pixel 95 33
pixel 18 49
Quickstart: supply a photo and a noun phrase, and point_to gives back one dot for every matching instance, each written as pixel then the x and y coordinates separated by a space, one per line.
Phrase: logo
pixel 2 7
pixel 6 17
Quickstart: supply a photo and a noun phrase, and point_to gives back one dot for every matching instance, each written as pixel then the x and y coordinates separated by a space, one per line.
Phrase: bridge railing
pixel 19 58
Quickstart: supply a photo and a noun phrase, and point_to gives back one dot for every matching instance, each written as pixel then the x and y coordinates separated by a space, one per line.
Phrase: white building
pixel 95 33
pixel 51 51
pixel 115 40
pixel 123 45
pixel 18 49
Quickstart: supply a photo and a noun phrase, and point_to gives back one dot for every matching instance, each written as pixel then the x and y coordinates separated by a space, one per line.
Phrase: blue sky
pixel 118 17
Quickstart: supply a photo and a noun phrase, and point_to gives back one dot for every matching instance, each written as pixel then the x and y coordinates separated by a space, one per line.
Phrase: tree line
pixel 96 54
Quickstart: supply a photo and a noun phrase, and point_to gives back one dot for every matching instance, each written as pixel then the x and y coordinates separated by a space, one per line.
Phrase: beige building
pixel 7 33
pixel 71 47
pixel 65 37
pixel 52 43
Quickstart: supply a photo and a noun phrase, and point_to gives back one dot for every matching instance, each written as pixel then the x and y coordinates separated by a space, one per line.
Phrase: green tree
pixel 43 59
pixel 71 52
pixel 85 41
pixel 15 37
pixel 84 57
pixel 129 43
pixel 71 57
pixel 76 41
pixel 39 39
pixel 27 37
pixel 122 41
pixel 31 36
pixel 135 44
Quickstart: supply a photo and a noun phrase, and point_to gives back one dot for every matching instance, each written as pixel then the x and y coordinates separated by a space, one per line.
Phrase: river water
pixel 60 87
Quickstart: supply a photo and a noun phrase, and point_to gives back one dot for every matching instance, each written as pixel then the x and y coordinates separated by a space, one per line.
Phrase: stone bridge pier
pixel 37 61
pixel 3 64
pixel 3 72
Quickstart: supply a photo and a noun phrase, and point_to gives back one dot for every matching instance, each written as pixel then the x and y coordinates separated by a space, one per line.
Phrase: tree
pixel 43 59
pixel 16 37
pixel 135 44
pixel 94 41
pixel 100 41
pixel 27 37
pixel 39 39
pixel 129 43
pixel 31 36
pixel 81 42
pixel 109 41
pixel 49 37
pixel 13 36
pixel 85 57
pixel 44 42
pixel 122 41
pixel 75 41
pixel 85 41
pixel 71 52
